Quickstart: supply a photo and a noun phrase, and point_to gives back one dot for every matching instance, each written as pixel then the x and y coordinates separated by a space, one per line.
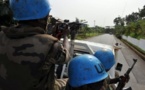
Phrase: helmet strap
pixel 47 22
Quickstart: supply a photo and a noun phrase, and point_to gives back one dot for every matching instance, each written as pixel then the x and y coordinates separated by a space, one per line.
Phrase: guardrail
pixel 134 49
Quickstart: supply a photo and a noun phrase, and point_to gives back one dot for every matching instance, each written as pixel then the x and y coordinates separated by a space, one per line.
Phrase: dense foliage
pixel 85 31
pixel 132 25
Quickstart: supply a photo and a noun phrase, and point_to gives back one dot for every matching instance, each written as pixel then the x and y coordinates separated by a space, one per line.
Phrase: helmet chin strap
pixel 46 27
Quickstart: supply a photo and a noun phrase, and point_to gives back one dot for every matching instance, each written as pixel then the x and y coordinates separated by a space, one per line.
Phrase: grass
pixel 87 35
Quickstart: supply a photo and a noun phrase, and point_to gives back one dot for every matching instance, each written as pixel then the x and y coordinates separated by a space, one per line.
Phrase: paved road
pixel 125 56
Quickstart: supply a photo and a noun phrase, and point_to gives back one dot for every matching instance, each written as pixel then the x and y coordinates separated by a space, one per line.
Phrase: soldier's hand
pixel 66 31
pixel 125 78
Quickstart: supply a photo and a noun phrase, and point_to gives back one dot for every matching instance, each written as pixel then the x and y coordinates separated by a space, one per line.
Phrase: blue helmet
pixel 106 57
pixel 85 69
pixel 29 9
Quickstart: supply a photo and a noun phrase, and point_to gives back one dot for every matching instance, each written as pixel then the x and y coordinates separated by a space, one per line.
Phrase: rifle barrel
pixel 129 70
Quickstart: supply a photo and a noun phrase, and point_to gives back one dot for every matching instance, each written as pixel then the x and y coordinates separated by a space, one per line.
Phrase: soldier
pixel 28 55
pixel 107 58
pixel 85 72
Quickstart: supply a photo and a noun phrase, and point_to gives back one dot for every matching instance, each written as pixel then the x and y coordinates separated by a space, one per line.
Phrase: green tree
pixel 142 12
pixel 132 17
pixel 132 25
pixel 99 29
pixel 119 21
pixel 119 26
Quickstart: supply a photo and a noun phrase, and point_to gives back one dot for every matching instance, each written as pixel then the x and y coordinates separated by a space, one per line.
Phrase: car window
pixel 95 48
pixel 80 47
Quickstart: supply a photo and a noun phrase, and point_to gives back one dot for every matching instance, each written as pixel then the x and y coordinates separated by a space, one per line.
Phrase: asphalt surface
pixel 126 56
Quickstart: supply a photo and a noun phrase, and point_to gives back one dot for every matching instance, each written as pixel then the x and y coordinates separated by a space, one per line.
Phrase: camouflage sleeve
pixel 59 54
pixel 107 86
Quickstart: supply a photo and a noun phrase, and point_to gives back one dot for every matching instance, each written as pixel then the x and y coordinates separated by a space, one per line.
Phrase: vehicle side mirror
pixel 119 66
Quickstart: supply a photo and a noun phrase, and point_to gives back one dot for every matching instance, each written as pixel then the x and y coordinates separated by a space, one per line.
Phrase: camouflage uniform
pixel 107 86
pixel 109 83
pixel 28 58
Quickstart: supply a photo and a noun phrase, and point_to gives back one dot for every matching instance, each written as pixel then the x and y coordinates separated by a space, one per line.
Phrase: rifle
pixel 74 27
pixel 60 26
pixel 58 31
pixel 122 82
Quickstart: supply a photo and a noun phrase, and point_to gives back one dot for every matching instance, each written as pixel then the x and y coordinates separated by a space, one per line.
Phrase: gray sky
pixel 96 12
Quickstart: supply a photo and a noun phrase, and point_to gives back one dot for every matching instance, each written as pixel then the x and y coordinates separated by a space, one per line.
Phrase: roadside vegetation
pixel 85 31
pixel 132 25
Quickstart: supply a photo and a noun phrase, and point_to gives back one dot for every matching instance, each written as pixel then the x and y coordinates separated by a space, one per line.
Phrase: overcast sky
pixel 96 12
